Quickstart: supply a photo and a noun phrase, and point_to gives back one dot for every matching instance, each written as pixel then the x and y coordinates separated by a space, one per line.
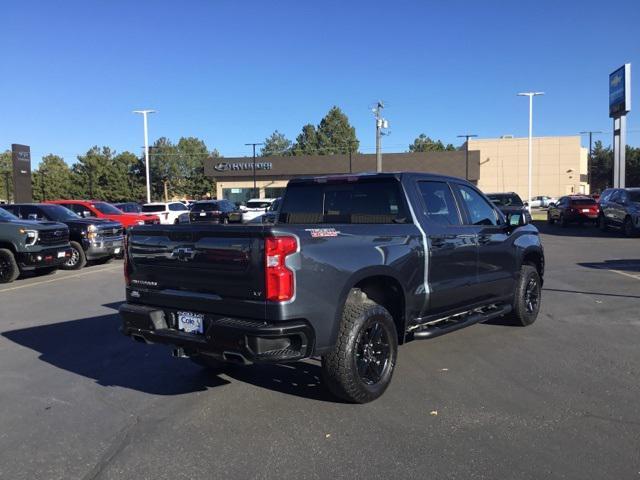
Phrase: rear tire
pixel 360 368
pixel 9 269
pixel 78 258
pixel 528 296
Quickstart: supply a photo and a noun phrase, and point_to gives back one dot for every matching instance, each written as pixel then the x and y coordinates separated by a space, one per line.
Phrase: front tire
pixel 78 258
pixel 360 368
pixel 9 269
pixel 528 297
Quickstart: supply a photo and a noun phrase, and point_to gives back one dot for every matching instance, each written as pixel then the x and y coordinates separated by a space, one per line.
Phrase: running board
pixel 452 324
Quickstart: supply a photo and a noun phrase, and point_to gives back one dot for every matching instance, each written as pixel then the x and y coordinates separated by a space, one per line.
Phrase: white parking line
pixel 60 279
pixel 626 274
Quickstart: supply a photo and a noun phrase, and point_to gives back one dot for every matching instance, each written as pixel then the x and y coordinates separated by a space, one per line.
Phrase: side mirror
pixel 526 204
pixel 552 204
pixel 515 220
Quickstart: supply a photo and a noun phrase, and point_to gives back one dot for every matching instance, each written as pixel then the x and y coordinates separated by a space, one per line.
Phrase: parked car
pixel 256 207
pixel 620 209
pixel 215 211
pixel 97 209
pixel 129 207
pixel 169 213
pixel 272 214
pixel 573 209
pixel 509 203
pixel 29 245
pixel 89 238
pixel 542 201
pixel 354 266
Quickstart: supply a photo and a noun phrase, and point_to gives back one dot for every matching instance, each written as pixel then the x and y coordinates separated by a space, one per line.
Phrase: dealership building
pixel 495 165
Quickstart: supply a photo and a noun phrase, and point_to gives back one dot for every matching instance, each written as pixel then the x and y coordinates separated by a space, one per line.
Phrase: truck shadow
pixel 574 230
pixel 94 348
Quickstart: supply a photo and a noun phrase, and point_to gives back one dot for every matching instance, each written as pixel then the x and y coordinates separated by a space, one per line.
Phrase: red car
pixel 98 209
pixel 573 209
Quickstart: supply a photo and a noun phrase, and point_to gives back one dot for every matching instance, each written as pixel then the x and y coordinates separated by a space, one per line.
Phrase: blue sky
pixel 230 72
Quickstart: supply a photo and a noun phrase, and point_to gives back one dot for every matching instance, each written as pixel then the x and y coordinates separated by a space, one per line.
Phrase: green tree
pixel 335 134
pixel 90 174
pixel 601 167
pixel 306 141
pixel 5 168
pixel 276 144
pixel 52 179
pixel 425 144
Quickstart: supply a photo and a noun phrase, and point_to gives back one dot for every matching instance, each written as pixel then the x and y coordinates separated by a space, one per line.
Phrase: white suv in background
pixel 169 213
pixel 255 208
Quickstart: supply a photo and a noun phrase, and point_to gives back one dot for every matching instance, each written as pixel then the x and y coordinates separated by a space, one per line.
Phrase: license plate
pixel 585 210
pixel 203 214
pixel 190 322
pixel 61 254
pixel 116 250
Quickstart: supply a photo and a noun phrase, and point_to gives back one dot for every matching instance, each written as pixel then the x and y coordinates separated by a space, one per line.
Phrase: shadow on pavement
pixel 94 348
pixel 624 265
pixel 600 294
pixel 575 230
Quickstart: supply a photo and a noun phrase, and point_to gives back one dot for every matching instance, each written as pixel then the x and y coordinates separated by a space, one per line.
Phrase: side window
pixel 615 197
pixel 439 204
pixel 177 207
pixel 479 210
pixel 31 213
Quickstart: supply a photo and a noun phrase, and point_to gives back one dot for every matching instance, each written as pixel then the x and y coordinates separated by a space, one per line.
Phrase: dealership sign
pixel 620 91
pixel 228 167
pixel 21 159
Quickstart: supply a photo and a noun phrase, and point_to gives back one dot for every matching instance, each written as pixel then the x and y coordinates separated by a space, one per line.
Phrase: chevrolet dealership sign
pixel 226 167
pixel 620 91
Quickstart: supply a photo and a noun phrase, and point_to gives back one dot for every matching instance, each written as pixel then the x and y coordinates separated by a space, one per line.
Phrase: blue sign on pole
pixel 620 91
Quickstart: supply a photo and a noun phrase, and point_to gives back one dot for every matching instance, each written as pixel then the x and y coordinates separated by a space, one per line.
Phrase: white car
pixel 255 208
pixel 541 201
pixel 170 213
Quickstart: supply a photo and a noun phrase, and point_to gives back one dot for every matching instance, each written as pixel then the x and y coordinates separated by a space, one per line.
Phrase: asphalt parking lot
pixel 558 399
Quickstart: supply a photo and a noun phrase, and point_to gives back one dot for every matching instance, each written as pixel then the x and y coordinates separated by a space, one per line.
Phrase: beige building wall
pixel 558 163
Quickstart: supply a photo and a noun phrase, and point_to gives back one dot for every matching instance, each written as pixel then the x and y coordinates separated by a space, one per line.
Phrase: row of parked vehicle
pixel 616 208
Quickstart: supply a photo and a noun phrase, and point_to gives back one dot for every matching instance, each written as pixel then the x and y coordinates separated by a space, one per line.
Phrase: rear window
pixel 506 199
pixel 361 201
pixel 583 201
pixel 205 207
pixel 106 208
pixel 257 204
pixel 153 208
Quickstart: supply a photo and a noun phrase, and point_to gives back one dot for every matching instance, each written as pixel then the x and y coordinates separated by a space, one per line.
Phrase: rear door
pixel 496 256
pixel 452 248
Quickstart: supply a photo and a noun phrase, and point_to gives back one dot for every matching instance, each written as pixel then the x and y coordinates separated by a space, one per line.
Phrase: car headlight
pixel 140 222
pixel 92 232
pixel 32 236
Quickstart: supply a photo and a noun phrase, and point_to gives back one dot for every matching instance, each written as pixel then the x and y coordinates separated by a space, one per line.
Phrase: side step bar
pixel 453 324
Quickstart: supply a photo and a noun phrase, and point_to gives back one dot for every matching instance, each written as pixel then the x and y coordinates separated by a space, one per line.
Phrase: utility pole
pixel 530 95
pixel 380 124
pixel 350 143
pixel 44 196
pixel 589 157
pixel 467 136
pixel 255 194
pixel 144 114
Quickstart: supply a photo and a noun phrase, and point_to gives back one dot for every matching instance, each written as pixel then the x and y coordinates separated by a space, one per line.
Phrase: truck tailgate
pixel 209 268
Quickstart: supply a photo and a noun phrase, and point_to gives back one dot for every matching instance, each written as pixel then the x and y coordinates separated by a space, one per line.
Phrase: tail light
pixel 279 279
pixel 125 246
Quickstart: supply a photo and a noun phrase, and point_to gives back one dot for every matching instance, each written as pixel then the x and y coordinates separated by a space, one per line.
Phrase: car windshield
pixel 6 216
pixel 583 201
pixel 206 207
pixel 634 195
pixel 505 199
pixel 258 204
pixel 153 208
pixel 59 213
pixel 106 208
pixel 129 207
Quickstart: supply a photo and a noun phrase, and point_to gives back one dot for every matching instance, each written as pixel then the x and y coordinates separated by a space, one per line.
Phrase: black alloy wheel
pixel 372 353
pixel 532 295
pixel 9 270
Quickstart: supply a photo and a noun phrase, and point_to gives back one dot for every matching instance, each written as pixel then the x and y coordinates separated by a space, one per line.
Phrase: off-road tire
pixel 78 255
pixel 339 368
pixel 9 269
pixel 521 315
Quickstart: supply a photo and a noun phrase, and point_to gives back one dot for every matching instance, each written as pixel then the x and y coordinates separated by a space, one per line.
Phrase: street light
pixel 530 95
pixel 254 167
pixel 144 114
pixel 467 136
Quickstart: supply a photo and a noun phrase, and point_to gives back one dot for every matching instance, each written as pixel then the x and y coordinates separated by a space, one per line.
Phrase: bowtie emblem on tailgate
pixel 183 254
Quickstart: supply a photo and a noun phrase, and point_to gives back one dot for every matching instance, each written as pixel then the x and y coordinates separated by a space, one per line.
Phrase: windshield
pixel 107 208
pixel 59 213
pixel 505 199
pixel 153 208
pixel 6 216
pixel 258 204
pixel 205 207
pixel 634 195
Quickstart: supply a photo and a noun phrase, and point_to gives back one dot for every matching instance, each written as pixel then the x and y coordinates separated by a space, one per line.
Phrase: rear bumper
pixel 49 257
pixel 103 248
pixel 224 338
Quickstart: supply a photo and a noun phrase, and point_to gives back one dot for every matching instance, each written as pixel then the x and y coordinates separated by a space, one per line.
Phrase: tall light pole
pixel 380 124
pixel 254 167
pixel 589 158
pixel 144 114
pixel 530 95
pixel 467 136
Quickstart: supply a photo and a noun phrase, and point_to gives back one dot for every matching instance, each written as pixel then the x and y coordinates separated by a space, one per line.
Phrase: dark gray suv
pixel 620 209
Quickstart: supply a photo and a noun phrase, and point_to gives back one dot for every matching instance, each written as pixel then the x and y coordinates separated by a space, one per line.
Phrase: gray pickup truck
pixel 29 245
pixel 353 266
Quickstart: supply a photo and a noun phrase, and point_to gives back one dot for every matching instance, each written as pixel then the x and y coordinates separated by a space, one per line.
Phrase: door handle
pixel 484 239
